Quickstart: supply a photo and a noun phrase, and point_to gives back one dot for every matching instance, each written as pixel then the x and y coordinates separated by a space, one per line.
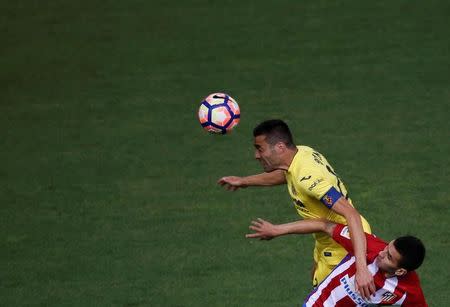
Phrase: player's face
pixel 389 258
pixel 266 154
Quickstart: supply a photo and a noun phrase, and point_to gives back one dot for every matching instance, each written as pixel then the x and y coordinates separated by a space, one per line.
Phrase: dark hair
pixel 412 251
pixel 275 131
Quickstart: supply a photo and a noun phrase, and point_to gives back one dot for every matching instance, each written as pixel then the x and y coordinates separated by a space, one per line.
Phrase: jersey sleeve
pixel 315 185
pixel 341 235
pixel 415 301
pixel 414 296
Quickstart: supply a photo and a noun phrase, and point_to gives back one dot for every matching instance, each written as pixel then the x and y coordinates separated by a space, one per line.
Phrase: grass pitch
pixel 107 181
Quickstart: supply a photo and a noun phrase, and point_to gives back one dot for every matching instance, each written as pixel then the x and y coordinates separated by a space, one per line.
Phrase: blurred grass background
pixel 108 183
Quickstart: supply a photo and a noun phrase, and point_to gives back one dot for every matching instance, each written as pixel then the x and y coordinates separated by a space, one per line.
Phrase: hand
pixel 364 282
pixel 232 183
pixel 264 230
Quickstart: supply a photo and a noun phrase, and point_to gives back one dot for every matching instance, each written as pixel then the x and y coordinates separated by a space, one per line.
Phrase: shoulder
pixel 301 165
pixel 304 152
pixel 411 285
pixel 411 279
pixel 308 168
pixel 304 159
pixel 304 148
pixel 309 157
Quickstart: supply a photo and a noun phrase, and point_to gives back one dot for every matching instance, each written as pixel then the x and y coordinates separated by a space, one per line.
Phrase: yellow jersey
pixel 314 187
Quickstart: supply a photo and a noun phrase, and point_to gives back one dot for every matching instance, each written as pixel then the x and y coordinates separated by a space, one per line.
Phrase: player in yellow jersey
pixel 317 192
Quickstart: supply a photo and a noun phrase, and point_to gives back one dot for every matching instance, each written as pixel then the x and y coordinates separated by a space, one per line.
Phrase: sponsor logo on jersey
pixel 315 183
pixel 387 297
pixel 349 288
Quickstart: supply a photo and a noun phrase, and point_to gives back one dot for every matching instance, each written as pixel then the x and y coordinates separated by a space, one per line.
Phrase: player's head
pixel 272 140
pixel 275 131
pixel 402 255
pixel 412 251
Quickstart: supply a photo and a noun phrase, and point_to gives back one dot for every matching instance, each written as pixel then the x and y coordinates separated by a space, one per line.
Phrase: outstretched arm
pixel 265 230
pixel 233 183
pixel 363 278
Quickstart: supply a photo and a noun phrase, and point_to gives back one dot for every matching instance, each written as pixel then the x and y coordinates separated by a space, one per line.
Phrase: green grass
pixel 107 181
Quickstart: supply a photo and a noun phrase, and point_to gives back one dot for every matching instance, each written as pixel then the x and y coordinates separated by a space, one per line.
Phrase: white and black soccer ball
pixel 219 113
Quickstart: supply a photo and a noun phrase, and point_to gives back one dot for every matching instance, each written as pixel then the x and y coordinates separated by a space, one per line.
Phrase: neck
pixel 287 159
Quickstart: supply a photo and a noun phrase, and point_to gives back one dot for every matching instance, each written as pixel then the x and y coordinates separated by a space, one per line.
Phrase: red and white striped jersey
pixel 338 289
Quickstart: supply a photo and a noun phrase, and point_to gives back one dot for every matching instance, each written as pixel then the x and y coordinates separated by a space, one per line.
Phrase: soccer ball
pixel 219 113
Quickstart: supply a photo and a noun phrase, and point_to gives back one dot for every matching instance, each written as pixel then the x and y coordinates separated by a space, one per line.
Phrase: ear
pixel 400 272
pixel 280 146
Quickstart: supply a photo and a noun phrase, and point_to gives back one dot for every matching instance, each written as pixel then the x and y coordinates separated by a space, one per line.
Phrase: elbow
pixel 345 209
pixel 351 213
pixel 323 225
pixel 329 228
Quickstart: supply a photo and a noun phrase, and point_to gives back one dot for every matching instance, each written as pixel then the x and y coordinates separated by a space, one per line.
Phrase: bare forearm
pixel 364 282
pixel 344 208
pixel 265 230
pixel 265 179
pixel 358 239
pixel 304 227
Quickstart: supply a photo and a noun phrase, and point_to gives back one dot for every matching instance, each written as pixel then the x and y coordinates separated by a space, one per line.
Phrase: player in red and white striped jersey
pixel 391 264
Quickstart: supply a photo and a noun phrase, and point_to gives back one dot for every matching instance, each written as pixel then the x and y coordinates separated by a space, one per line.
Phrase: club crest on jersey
pixel 387 297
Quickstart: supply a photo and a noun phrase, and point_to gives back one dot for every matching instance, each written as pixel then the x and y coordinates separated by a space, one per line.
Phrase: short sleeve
pixel 341 235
